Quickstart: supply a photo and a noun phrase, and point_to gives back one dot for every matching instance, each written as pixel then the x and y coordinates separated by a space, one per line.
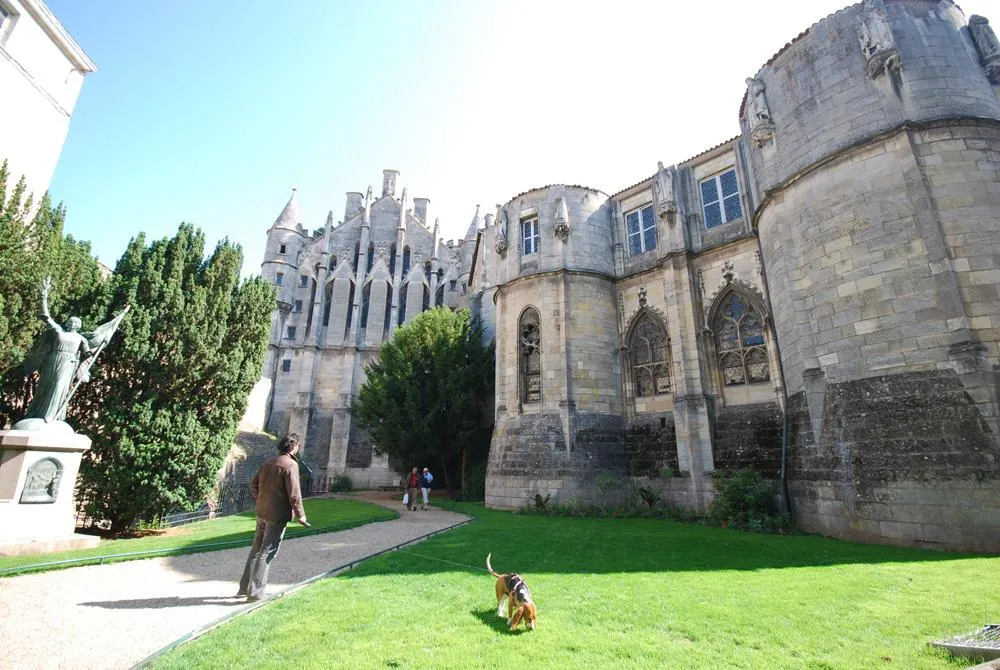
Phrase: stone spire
pixel 437 230
pixel 473 230
pixel 289 217
pixel 329 220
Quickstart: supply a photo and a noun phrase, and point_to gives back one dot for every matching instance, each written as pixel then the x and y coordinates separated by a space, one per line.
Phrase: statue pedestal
pixel 37 476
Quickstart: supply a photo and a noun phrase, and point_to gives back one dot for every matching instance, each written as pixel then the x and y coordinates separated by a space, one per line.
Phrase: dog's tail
pixel 490 567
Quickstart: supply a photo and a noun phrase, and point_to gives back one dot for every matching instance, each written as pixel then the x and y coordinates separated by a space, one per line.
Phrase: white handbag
pixel 406 499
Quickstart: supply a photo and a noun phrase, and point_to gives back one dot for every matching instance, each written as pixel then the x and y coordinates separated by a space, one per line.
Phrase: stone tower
pixel 874 145
pixel 559 416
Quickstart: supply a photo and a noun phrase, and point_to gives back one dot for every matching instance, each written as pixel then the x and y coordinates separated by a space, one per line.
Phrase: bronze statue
pixel 62 356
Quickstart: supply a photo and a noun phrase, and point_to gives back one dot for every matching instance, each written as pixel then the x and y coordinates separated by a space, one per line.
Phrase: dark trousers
pixel 266 541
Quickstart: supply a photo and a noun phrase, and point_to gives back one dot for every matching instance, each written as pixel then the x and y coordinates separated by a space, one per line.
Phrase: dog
pixel 512 591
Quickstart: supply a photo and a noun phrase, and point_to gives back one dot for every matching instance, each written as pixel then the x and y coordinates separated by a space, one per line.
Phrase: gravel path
pixel 113 616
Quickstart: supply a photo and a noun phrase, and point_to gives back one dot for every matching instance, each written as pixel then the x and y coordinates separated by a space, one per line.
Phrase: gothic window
pixel 392 260
pixel 451 284
pixel 357 254
pixel 650 358
pixel 406 260
pixel 401 317
pixel 641 226
pixel 720 199
pixel 530 354
pixel 350 310
pixel 439 298
pixel 427 299
pixel 739 341
pixel 529 236
pixel 387 321
pixel 366 293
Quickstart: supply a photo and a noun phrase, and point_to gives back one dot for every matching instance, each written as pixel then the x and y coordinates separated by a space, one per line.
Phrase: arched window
pixel 530 355
pixel 366 294
pixel 401 316
pixel 439 297
pixel 350 310
pixel 357 253
pixel 406 261
pixel 371 257
pixel 649 357
pixel 739 341
pixel 392 260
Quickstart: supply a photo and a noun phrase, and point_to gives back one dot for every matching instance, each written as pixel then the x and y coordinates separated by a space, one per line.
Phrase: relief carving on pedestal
pixel 41 482
pixel 663 193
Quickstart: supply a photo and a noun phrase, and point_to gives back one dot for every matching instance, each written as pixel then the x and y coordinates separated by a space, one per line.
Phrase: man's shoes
pixel 253 599
pixel 241 594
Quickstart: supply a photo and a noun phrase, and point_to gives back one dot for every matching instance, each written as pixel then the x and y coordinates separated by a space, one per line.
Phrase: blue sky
pixel 209 112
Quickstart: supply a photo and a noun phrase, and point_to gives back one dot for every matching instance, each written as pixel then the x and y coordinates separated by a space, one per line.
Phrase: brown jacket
pixel 275 487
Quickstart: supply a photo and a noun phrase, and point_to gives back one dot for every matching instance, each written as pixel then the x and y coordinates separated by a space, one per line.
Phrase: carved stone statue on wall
pixel 663 192
pixel 758 114
pixel 877 43
pixel 62 357
pixel 561 227
pixel 987 46
pixel 501 243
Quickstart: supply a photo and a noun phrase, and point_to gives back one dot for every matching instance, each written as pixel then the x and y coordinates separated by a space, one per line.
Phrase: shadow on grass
pixel 539 544
pixel 491 620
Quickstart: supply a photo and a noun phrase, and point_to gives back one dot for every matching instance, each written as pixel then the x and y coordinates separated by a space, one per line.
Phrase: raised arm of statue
pixel 46 285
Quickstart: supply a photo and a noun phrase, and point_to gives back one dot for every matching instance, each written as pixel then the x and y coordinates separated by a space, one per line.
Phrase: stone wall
pixel 748 436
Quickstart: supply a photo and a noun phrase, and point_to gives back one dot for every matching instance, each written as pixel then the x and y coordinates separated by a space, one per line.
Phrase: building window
pixel 290 332
pixel 720 199
pixel 451 284
pixel 281 248
pixel 298 306
pixel 739 342
pixel 279 277
pixel 286 365
pixel 530 350
pixel 303 280
pixel 650 359
pixel 529 236
pixel 641 226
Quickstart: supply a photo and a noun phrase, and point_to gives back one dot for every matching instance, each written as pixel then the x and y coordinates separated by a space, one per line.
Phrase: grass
pixel 619 593
pixel 323 513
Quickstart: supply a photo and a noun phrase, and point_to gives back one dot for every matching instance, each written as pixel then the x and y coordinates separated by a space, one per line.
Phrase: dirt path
pixel 113 616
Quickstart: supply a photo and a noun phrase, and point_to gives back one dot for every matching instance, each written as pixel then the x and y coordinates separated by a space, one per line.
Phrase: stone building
pixel 41 73
pixel 342 290
pixel 817 298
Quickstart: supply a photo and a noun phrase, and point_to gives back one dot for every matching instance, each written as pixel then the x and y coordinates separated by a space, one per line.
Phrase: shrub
pixel 649 496
pixel 744 500
pixel 341 483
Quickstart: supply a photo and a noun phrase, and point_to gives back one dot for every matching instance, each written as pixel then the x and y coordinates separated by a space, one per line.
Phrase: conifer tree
pixel 426 394
pixel 165 399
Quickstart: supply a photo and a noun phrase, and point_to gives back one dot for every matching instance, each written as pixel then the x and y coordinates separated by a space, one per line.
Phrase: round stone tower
pixel 874 146
pixel 559 418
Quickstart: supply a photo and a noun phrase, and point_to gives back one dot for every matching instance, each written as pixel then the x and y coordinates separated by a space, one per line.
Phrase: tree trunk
pixel 447 480
pixel 465 459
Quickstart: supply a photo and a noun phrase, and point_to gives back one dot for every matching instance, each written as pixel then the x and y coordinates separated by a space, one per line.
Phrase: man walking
pixel 275 488
pixel 425 485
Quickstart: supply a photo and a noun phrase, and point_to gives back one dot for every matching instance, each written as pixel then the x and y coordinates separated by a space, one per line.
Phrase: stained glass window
pixel 648 354
pixel 740 343
pixel 530 349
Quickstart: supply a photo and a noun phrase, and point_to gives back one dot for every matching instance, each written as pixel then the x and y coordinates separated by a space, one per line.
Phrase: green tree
pixel 165 399
pixel 425 396
pixel 32 246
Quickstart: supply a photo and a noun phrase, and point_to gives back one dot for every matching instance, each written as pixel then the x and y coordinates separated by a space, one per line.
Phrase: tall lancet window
pixel 740 343
pixel 649 357
pixel 530 354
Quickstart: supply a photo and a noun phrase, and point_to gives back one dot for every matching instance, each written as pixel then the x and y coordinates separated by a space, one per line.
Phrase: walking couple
pixel 413 481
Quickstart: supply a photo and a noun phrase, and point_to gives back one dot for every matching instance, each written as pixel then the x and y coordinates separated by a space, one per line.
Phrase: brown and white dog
pixel 512 590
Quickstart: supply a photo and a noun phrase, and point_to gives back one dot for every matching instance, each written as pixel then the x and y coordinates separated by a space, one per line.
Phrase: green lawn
pixel 323 513
pixel 619 593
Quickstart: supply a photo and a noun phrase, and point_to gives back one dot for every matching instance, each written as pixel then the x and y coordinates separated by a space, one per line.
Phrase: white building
pixel 41 72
